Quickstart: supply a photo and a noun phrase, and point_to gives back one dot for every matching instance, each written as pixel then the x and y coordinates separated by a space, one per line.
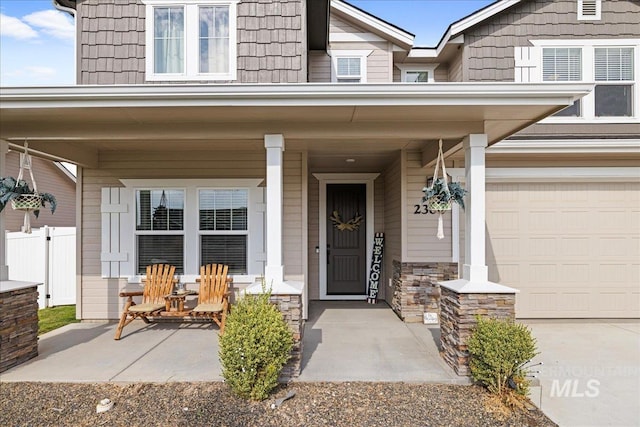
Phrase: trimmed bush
pixel 255 346
pixel 499 349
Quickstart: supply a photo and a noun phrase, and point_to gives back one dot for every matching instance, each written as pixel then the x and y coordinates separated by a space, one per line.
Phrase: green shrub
pixel 254 347
pixel 499 350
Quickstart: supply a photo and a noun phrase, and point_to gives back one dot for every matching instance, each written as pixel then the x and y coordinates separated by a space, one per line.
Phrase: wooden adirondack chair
pixel 213 297
pixel 158 283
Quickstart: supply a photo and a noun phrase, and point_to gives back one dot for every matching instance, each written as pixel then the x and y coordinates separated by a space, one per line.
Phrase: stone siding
pixel 18 327
pixel 271 42
pixel 291 308
pixel 416 290
pixel 457 320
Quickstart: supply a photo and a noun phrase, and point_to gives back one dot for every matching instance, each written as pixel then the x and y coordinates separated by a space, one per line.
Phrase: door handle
pixel 328 253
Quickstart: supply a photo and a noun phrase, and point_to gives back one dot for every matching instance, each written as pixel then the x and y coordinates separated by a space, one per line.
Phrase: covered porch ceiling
pixel 77 123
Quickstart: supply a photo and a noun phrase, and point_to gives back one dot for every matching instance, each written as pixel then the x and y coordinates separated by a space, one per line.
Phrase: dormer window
pixel 190 41
pixel 349 66
pixel 589 10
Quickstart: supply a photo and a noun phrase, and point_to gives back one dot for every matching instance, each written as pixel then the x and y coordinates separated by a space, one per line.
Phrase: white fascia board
pixel 294 95
pixel 468 22
pixel 379 25
pixel 561 146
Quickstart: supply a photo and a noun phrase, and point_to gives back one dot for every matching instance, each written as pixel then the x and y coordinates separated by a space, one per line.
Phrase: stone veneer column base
pixel 416 289
pixel 291 308
pixel 18 326
pixel 457 320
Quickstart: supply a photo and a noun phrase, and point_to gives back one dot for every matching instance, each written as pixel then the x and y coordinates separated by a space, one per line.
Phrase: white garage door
pixel 572 249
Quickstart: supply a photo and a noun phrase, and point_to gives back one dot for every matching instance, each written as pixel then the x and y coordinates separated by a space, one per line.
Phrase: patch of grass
pixel 55 317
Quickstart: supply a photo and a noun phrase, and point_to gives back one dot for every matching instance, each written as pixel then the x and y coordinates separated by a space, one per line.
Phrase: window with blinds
pixel 223 228
pixel 561 64
pixel 349 70
pixel 614 75
pixel 160 228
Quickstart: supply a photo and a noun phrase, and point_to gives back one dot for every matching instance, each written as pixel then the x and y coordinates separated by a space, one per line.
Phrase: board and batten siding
pixel 392 221
pixel 489 47
pixel 421 243
pixel 271 42
pixel 49 179
pixel 100 296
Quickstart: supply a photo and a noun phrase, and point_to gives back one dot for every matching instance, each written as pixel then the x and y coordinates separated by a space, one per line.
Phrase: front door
pixel 346 239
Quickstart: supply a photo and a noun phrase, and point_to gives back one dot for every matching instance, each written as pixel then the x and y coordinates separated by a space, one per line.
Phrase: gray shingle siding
pixel 488 52
pixel 271 41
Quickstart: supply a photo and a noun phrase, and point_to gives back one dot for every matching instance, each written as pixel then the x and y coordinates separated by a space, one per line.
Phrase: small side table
pixel 174 303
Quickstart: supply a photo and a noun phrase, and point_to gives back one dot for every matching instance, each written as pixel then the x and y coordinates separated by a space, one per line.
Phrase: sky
pixel 37 41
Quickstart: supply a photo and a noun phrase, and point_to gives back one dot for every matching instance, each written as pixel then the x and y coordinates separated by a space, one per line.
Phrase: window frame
pixel 191 48
pixel 588 75
pixel 224 232
pixel 256 229
pixel 408 68
pixel 362 54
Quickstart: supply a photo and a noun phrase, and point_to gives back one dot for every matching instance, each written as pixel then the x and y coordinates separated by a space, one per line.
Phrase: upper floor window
pixel 610 63
pixel 191 40
pixel 614 81
pixel 417 73
pixel 349 66
pixel 589 10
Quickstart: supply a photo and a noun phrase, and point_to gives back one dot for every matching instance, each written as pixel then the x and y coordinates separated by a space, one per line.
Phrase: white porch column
pixel 4 270
pixel 475 265
pixel 274 270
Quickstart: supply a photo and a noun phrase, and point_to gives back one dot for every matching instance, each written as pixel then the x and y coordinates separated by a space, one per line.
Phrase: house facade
pixel 277 136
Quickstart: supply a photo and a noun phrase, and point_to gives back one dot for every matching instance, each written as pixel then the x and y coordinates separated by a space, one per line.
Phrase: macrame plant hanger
pixel 27 202
pixel 435 204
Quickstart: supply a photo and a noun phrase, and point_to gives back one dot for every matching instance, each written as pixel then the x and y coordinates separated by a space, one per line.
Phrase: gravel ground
pixel 212 404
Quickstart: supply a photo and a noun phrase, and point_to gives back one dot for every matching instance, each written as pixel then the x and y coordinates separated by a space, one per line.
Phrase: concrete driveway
pixel 591 371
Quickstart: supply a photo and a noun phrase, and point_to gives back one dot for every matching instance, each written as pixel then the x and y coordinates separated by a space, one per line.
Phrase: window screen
pixel 349 70
pixel 613 67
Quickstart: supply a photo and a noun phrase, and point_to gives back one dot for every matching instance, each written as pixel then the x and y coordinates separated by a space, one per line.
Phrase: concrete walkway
pixel 591 371
pixel 343 341
pixel 356 341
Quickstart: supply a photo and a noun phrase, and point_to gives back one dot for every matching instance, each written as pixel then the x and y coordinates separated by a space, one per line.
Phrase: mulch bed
pixel 213 404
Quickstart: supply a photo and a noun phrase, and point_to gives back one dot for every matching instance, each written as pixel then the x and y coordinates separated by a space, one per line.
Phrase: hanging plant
pixel 439 194
pixel 23 197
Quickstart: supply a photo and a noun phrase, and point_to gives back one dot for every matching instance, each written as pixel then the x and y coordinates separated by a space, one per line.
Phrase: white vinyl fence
pixel 48 256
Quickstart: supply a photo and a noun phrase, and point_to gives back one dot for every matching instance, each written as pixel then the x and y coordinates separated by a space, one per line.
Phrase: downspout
pixel 71 11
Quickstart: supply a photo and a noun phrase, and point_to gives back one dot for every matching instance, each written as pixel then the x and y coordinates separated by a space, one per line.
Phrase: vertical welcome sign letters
pixel 376 265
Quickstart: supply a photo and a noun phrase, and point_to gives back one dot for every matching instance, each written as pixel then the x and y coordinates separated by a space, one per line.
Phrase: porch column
pixel 4 270
pixel 475 265
pixel 274 270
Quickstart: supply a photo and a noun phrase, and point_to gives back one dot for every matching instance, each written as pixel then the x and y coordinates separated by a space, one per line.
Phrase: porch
pixel 343 341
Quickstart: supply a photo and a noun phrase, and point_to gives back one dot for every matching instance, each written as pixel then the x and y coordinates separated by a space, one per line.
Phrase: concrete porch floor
pixel 343 341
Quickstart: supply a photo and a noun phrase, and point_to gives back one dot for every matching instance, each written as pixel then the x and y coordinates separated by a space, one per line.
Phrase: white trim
pixel 581 42
pixel 576 146
pixel 191 41
pixel 583 17
pixel 274 147
pixel 343 178
pixel 354 38
pixel 555 174
pixel 428 68
pixel 293 95
pixel 373 22
pixel 305 233
pixel 337 53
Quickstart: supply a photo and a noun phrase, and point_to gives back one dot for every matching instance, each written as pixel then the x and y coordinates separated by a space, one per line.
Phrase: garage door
pixel 572 249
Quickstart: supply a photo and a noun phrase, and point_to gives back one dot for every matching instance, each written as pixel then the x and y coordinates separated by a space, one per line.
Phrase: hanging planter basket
pixel 436 205
pixel 27 202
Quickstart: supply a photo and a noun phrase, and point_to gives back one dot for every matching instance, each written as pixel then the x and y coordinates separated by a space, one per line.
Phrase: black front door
pixel 346 239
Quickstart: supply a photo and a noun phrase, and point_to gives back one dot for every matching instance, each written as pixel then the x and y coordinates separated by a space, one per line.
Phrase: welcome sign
pixel 376 265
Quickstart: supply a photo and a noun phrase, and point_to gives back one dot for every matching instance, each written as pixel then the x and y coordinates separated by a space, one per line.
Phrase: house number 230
pixel 422 210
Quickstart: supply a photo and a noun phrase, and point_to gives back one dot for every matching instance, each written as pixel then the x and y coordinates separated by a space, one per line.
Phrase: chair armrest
pixel 132 294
